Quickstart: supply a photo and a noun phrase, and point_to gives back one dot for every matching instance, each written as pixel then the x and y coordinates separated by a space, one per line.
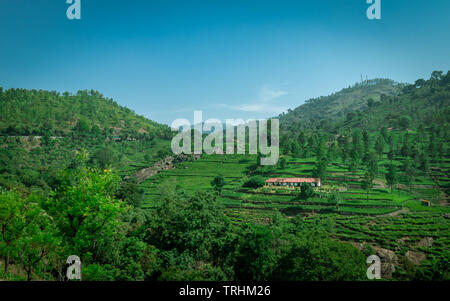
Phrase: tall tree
pixel 321 169
pixel 85 209
pixel 379 145
pixel 372 164
pixel 217 183
pixel 367 184
pixel 391 176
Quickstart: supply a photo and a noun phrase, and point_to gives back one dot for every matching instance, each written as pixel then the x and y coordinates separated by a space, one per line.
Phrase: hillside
pixel 43 132
pixel 385 182
pixel 420 105
pixel 33 112
pixel 325 109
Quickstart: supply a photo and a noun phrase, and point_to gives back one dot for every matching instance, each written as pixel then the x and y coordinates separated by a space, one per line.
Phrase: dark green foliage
pixel 255 182
pixel 103 158
pixel 391 176
pixel 130 192
pixel 379 145
pixel 306 191
pixel 321 169
pixel 84 208
pixel 218 183
pixel 372 164
pixel 189 229
pixel 96 272
pixel 437 269
pixel 317 258
pixel 282 163
pixel 256 258
pixel 367 183
pixel 404 122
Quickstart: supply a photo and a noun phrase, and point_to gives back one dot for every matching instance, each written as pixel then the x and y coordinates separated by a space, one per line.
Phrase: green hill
pixel 322 110
pixel 33 112
pixel 423 104
pixel 42 132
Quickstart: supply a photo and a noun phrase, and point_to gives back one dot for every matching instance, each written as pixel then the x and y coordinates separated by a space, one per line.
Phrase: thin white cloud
pixel 264 103
pixel 267 94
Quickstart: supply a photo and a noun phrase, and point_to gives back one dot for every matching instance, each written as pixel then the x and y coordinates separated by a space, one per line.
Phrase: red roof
pixel 293 180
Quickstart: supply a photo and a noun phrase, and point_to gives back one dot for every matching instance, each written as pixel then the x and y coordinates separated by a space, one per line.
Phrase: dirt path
pixel 167 163
pixel 396 213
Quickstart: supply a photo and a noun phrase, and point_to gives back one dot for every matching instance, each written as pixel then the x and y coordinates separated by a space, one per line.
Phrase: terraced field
pixel 395 221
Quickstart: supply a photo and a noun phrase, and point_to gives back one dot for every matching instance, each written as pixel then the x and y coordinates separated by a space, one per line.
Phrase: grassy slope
pixel 337 105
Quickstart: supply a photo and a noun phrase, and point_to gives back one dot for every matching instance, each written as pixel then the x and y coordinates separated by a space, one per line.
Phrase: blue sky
pixel 231 59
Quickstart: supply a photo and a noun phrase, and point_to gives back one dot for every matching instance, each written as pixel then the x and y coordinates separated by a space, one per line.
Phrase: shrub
pixel 255 182
pixel 306 191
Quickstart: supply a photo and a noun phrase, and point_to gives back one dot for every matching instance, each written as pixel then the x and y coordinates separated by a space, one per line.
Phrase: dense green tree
pixel 27 232
pixel 357 142
pixel 39 241
pixel 314 257
pixel 192 228
pixel 333 152
pixel 383 133
pixel 85 209
pixel 255 257
pixel 379 145
pixel 295 149
pixel 282 163
pixel 404 122
pixel 306 191
pixel 410 172
pixel 437 269
pixel 367 183
pixel 103 158
pixel 391 154
pixel 82 127
pixel 255 182
pixel 391 176
pixel 320 170
pixel 301 139
pixel 130 192
pixel 372 164
pixel 217 183
pixel 320 149
pixel 366 141
pixel 14 218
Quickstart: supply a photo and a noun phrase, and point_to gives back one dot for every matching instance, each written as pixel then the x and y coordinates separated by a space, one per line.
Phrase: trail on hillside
pixel 167 163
